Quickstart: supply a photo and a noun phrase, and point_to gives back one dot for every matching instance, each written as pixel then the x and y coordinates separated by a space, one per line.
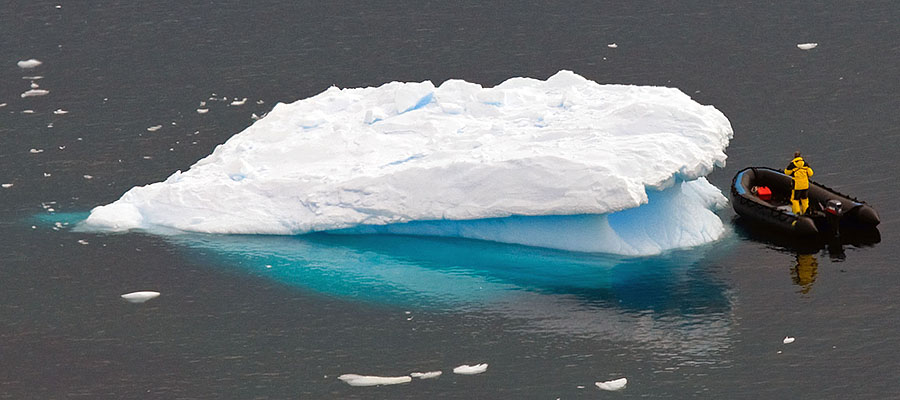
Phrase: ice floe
pixel 154 128
pixel 364 380
pixel 470 369
pixel 807 46
pixel 35 93
pixel 140 297
pixel 788 340
pixel 426 375
pixel 30 63
pixel 613 385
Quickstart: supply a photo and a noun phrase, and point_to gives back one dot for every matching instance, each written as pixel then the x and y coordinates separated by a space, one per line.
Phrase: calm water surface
pixel 281 317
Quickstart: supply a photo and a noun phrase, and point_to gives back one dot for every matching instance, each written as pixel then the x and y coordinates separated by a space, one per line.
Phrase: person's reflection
pixel 805 271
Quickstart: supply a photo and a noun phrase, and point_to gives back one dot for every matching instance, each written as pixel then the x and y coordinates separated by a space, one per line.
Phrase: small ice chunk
pixel 82 241
pixel 33 78
pixel 88 177
pixel 2 105
pixel 470 369
pixel 35 92
pixel 807 46
pixel 426 375
pixel 46 174
pixel 363 380
pixel 60 111
pixel 154 128
pixel 27 111
pixel 612 45
pixel 260 102
pixel 34 85
pixel 788 340
pixel 7 185
pixel 202 110
pixel 613 385
pixel 140 297
pixel 36 151
pixel 237 102
pixel 30 63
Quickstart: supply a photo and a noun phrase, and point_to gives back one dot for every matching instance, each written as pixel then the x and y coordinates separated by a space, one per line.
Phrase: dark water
pixel 250 317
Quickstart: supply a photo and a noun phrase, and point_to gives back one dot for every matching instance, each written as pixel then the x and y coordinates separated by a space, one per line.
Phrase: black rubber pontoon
pixel 829 211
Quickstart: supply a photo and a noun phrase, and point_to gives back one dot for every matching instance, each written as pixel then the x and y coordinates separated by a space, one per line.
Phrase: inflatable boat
pixel 763 195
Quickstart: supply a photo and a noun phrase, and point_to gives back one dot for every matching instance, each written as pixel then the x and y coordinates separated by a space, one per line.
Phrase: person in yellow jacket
pixel 800 171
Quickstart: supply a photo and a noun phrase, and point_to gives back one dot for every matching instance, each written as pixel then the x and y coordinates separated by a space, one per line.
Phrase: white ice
pixel 6 185
pixel 60 111
pixel 30 63
pixel 788 340
pixel 613 385
pixel 363 380
pixel 807 46
pixel 140 297
pixel 202 110
pixel 563 163
pixel 154 128
pixel 426 375
pixel 470 369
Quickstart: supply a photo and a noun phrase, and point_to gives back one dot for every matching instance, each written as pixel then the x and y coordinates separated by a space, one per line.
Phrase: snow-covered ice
pixel 563 163
pixel 6 185
pixel 788 340
pixel 154 128
pixel 29 63
pixel 426 375
pixel 202 110
pixel 140 297
pixel 470 369
pixel 613 385
pixel 807 46
pixel 60 111
pixel 363 380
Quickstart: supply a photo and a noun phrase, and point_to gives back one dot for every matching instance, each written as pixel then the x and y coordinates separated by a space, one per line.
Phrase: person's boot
pixel 804 205
pixel 795 206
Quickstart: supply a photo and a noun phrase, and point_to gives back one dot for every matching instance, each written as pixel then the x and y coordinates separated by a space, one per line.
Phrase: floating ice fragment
pixel 807 46
pixel 27 111
pixel 140 297
pixel 82 241
pixel 2 105
pixel 470 369
pixel 612 45
pixel 154 128
pixel 60 111
pixel 426 375
pixel 34 85
pixel 362 380
pixel 237 102
pixel 202 110
pixel 613 385
pixel 260 102
pixel 88 177
pixel 36 151
pixel 58 6
pixel 7 185
pixel 35 92
pixel 788 340
pixel 30 63
pixel 46 174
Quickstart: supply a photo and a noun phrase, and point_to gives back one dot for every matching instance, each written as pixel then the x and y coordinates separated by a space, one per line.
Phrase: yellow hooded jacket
pixel 801 173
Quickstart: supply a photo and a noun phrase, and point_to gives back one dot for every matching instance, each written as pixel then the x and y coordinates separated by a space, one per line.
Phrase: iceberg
pixel 563 163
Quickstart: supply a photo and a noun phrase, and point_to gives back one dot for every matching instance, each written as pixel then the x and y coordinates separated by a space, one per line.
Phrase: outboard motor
pixel 833 214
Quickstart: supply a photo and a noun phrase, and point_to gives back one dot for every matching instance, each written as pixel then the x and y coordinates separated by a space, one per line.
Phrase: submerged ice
pixel 564 163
